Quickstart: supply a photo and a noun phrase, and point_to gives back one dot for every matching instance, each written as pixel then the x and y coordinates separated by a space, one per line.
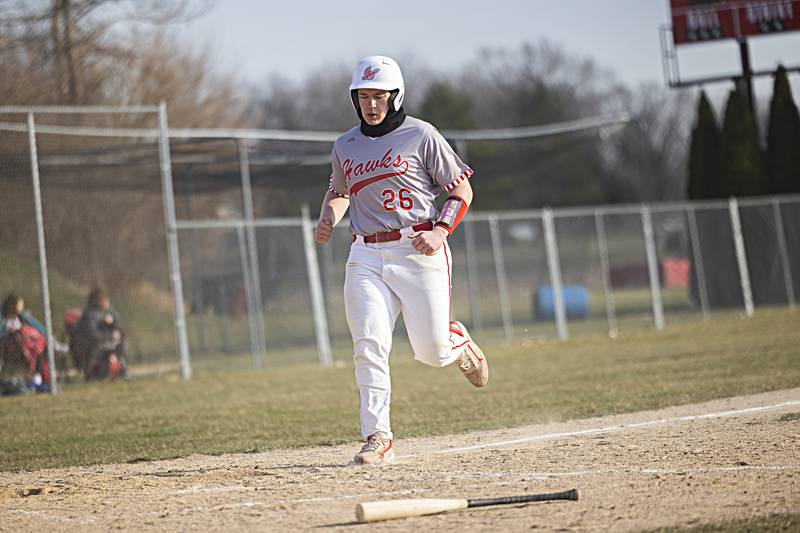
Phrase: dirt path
pixel 731 458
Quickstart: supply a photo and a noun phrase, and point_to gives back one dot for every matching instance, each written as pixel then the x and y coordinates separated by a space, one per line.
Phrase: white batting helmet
pixel 379 72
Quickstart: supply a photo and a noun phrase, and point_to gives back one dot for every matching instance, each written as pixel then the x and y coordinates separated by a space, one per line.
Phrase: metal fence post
pixel 784 251
pixel 652 267
pixel 195 290
pixel 315 285
pixel 473 283
pixel 252 252
pixel 223 328
pixel 173 255
pixel 502 284
pixel 605 272
pixel 697 252
pixel 554 269
pixel 741 256
pixel 255 354
pixel 43 273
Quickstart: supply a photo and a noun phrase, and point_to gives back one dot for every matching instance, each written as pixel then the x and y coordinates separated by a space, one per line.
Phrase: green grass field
pixel 532 381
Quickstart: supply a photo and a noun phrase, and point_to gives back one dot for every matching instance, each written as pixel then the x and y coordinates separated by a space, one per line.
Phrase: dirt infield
pixel 702 463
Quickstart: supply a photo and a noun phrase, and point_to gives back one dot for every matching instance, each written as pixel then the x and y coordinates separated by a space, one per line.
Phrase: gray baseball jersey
pixel 392 181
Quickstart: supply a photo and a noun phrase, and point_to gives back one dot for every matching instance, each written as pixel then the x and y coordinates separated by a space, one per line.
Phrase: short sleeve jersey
pixel 392 181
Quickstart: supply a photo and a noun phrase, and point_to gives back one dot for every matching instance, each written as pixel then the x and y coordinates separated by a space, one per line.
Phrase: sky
pixel 257 38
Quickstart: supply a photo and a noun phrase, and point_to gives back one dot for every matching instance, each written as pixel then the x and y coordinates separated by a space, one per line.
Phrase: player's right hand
pixel 324 230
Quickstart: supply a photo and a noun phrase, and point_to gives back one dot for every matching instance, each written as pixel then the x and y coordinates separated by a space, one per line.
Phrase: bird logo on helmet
pixel 369 73
pixel 379 72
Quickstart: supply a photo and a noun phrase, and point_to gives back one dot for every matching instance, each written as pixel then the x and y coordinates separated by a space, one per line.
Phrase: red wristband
pixel 452 214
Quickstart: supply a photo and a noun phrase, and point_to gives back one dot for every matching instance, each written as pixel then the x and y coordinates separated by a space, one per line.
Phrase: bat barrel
pixel 386 510
pixel 571 494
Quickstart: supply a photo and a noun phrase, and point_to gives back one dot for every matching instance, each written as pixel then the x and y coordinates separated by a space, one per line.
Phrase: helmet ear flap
pixel 398 100
pixel 395 100
pixel 354 99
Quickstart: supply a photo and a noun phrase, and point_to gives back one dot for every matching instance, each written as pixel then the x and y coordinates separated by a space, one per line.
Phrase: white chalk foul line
pixel 356 496
pixel 608 429
pixel 325 498
pixel 540 476
pixel 506 477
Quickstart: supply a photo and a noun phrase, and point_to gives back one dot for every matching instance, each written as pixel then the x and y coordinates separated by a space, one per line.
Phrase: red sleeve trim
pixel 453 184
pixel 334 191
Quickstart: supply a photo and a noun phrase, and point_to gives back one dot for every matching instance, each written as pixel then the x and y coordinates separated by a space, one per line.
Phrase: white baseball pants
pixel 382 280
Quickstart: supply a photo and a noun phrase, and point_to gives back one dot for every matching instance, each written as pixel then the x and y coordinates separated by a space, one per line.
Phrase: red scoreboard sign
pixel 696 21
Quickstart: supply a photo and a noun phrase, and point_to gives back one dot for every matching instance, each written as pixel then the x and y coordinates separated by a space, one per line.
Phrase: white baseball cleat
pixel 472 363
pixel 378 449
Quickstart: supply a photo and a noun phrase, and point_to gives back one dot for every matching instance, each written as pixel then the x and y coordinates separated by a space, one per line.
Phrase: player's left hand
pixel 428 242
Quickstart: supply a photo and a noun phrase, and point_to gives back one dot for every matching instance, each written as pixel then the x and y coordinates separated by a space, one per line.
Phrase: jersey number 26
pixel 392 200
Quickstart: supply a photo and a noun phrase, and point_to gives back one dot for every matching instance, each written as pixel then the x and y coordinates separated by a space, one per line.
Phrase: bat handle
pixel 571 494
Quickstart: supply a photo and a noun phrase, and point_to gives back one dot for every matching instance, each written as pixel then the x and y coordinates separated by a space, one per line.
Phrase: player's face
pixel 374 104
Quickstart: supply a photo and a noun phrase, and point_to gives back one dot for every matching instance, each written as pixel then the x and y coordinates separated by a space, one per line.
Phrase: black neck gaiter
pixel 392 120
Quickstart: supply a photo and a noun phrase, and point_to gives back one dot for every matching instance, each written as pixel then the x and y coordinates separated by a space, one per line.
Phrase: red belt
pixel 394 235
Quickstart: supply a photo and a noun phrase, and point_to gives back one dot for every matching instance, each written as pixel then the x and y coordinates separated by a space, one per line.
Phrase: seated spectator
pixel 97 343
pixel 32 339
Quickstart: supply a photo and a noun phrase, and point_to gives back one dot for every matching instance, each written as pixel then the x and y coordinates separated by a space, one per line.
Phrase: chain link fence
pixel 122 208
pixel 83 207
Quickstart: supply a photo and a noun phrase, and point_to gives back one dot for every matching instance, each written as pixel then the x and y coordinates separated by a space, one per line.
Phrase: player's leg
pixel 372 310
pixel 423 284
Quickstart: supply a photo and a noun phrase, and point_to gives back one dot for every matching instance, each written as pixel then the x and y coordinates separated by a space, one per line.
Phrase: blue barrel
pixel 576 302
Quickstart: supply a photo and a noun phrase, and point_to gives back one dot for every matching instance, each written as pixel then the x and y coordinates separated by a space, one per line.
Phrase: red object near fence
pixel 675 273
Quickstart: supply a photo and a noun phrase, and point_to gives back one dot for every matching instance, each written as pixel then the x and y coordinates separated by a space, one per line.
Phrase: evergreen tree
pixel 783 138
pixel 704 153
pixel 703 184
pixel 741 165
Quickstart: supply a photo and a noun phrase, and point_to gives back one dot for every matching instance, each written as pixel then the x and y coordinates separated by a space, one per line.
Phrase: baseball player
pixel 389 171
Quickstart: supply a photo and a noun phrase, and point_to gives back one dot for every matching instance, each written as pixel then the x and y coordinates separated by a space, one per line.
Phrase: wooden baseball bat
pixel 386 510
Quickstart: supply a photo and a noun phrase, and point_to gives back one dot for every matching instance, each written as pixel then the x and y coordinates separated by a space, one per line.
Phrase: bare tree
pixel 534 84
pixel 647 161
pixel 318 102
pixel 61 49
pixel 102 52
